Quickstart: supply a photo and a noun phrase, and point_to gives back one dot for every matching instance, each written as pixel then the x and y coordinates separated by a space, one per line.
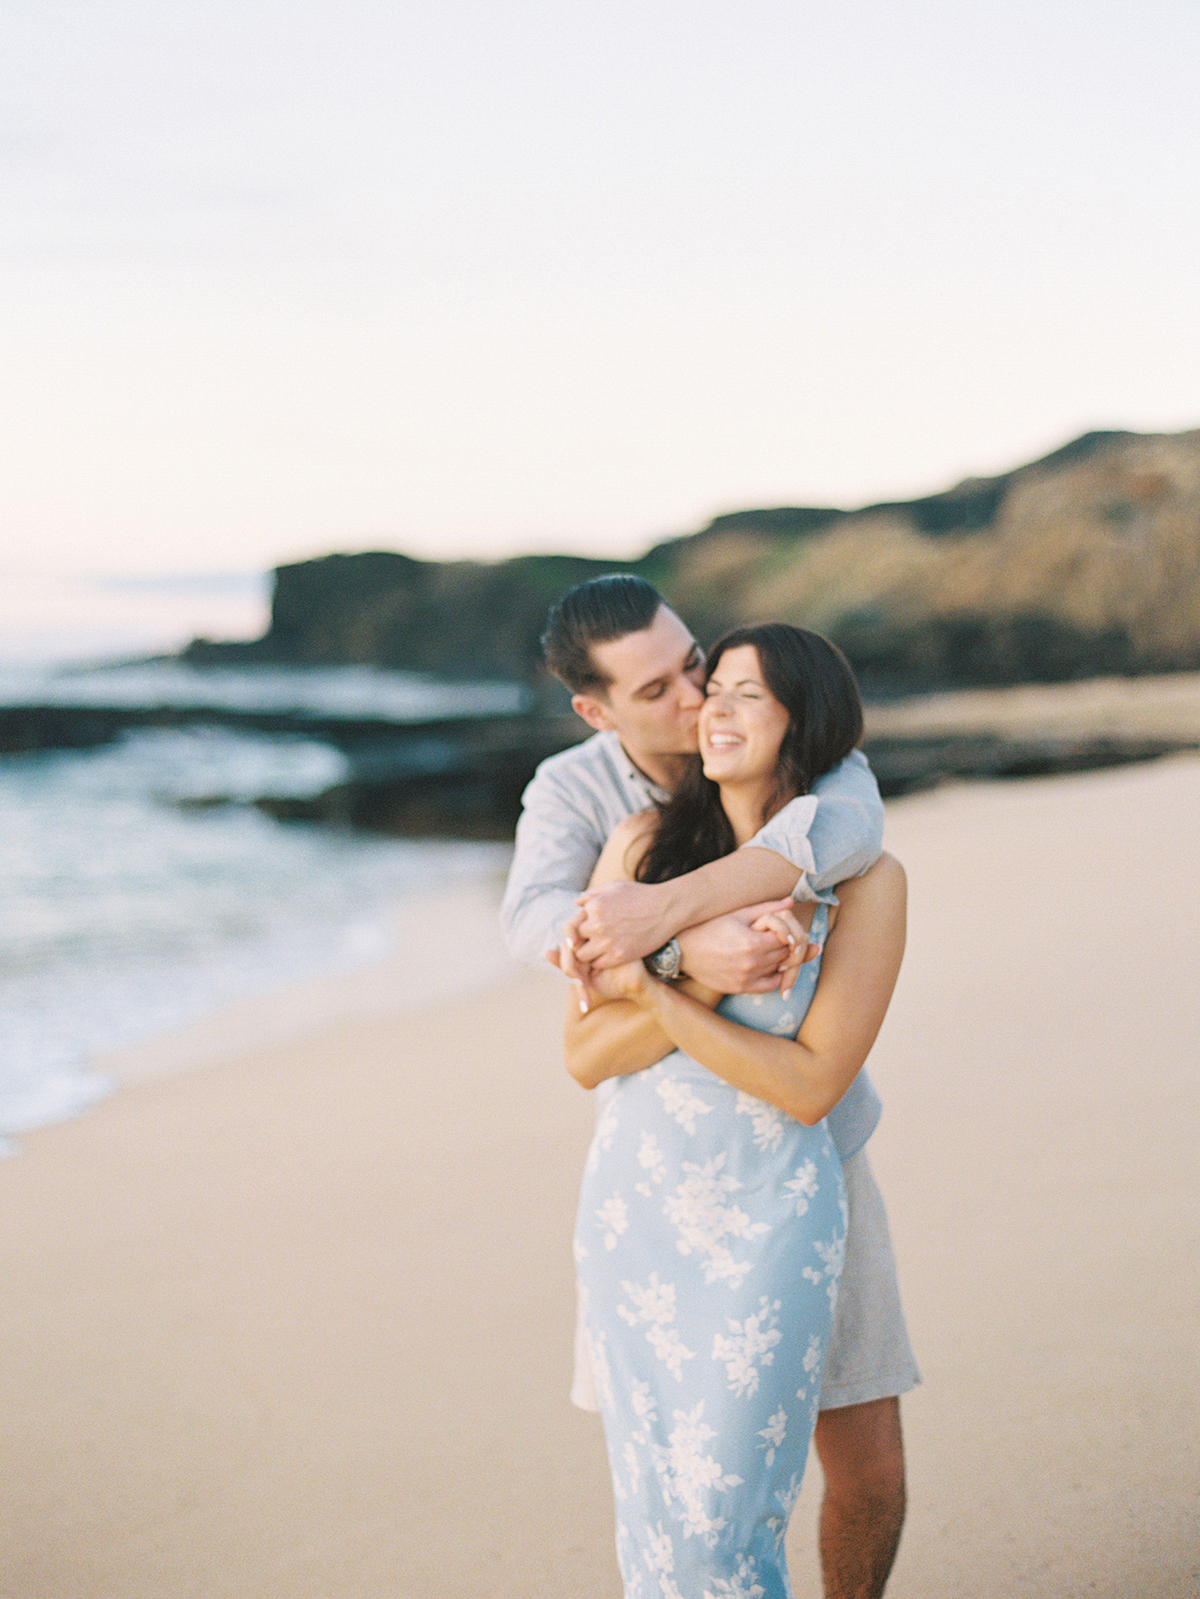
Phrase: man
pixel 636 676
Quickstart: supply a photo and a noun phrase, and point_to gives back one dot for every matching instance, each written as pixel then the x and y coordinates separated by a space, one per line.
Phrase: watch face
pixel 667 960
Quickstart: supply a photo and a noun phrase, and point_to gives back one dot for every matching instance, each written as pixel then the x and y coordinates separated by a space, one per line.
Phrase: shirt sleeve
pixel 844 836
pixel 847 831
pixel 558 843
pixel 787 832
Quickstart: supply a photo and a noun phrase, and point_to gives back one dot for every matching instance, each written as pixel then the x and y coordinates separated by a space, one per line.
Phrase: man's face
pixel 655 689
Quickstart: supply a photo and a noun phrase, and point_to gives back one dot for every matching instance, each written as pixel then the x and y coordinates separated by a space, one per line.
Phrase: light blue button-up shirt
pixel 577 798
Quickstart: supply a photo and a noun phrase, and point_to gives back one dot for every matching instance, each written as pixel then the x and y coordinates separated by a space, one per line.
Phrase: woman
pixel 712 1217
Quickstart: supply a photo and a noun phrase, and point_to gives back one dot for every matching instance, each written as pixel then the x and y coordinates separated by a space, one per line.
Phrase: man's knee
pixel 861 1450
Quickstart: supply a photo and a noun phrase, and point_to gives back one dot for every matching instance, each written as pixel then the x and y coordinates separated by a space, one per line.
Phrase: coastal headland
pixel 1083 564
pixel 1083 567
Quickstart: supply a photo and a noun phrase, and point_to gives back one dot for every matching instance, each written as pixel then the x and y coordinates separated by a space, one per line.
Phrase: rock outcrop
pixel 1082 563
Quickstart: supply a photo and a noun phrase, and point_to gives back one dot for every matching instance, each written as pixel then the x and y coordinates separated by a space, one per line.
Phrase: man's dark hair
pixel 812 680
pixel 595 612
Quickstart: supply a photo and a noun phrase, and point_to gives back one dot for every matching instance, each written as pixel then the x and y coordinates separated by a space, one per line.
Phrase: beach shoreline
pixel 298 1320
pixel 434 955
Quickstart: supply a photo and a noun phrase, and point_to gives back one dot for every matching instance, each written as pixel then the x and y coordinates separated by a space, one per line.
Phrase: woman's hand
pixel 796 949
pixel 592 985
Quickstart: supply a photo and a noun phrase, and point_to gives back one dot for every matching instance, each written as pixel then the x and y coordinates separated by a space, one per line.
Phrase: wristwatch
pixel 666 962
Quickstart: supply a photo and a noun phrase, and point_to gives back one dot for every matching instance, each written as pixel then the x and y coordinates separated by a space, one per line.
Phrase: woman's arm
pixel 805 1076
pixel 614 1036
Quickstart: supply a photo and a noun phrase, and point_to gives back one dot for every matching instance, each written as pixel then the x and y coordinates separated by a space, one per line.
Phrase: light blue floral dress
pixel 709 1244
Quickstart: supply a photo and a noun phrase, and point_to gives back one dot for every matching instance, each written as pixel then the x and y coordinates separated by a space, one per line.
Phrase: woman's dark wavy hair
pixel 812 680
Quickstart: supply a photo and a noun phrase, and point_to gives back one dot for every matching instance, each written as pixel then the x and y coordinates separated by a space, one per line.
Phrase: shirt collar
pixel 637 777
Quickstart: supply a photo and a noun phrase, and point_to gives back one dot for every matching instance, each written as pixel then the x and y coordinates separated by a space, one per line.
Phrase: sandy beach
pixel 289 1316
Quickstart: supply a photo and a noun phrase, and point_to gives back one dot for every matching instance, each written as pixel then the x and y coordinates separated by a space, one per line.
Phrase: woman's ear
pixel 594 711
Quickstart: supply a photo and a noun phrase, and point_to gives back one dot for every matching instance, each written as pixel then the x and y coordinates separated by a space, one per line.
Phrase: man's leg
pixel 862 1455
pixel 868 1364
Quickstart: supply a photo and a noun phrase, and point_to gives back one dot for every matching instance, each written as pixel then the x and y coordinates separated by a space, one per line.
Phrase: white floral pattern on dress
pixel 803 1185
pixel 600 1369
pixel 766 1120
pixel 656 1305
pixel 773 1433
pixel 632 1465
pixel 606 1130
pixel 660 1550
pixel 787 1496
pixel 750 1341
pixel 660 1557
pixel 699 1210
pixel 833 1253
pixel 691 1476
pixel 652 1161
pixel 811 1366
pixel 679 1101
pixel 613 1216
pixel 742 1585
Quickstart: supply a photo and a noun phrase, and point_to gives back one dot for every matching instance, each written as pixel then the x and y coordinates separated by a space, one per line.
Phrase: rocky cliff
pixel 1082 563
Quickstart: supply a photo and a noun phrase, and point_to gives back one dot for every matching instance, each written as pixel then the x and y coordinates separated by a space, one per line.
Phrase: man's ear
pixel 594 711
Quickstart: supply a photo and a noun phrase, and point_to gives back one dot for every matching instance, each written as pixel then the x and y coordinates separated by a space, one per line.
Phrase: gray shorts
pixel 869 1356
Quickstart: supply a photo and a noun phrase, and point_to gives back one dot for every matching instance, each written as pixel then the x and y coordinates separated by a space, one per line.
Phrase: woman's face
pixel 741 722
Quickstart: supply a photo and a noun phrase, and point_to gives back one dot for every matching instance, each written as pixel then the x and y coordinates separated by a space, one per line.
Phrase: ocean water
pixel 344 691
pixel 133 904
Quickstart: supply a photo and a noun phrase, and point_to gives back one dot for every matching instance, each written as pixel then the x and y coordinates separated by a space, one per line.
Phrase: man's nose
pixel 691 694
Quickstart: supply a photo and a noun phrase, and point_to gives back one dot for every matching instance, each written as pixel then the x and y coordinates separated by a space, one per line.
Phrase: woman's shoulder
pixel 641 825
pixel 633 833
pixel 885 882
pixel 627 843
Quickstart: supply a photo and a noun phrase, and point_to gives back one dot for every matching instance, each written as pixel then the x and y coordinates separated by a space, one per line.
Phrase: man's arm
pixel 626 920
pixel 563 827
pixel 558 842
pixel 623 921
pixel 845 836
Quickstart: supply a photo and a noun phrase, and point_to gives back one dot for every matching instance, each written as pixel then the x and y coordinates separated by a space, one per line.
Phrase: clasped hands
pixel 748 951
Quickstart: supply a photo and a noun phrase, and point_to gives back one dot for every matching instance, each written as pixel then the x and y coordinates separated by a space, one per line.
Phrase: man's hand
pixel 618 923
pixel 627 981
pixel 750 951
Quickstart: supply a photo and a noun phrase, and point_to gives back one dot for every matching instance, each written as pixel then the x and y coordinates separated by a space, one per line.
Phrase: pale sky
pixel 478 277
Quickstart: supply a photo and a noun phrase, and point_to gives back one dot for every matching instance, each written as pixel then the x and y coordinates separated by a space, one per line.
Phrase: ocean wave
pixel 127 915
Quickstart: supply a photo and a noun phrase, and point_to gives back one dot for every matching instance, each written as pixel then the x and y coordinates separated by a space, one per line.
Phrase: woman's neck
pixel 746 804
